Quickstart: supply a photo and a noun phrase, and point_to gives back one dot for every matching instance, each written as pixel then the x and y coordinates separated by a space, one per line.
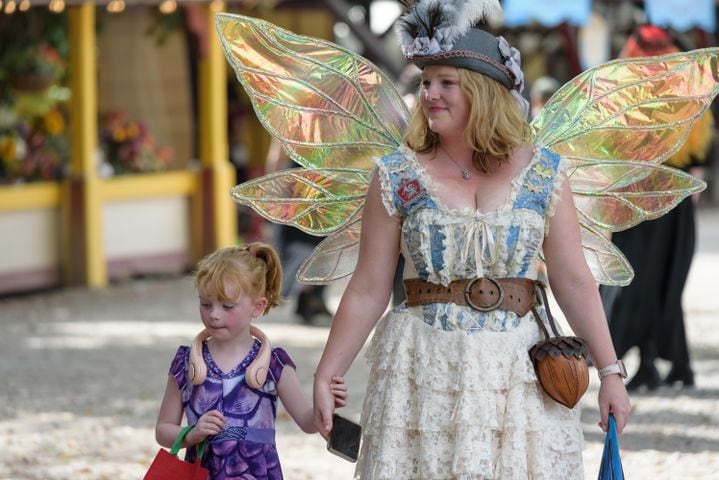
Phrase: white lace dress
pixel 452 393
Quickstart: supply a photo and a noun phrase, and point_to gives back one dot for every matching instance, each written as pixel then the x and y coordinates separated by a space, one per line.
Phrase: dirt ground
pixel 83 371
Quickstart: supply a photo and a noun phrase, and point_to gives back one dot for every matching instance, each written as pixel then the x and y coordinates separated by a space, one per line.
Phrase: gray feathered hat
pixel 445 32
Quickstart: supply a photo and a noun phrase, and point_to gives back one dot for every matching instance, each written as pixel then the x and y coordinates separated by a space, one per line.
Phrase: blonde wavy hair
pixel 495 127
pixel 253 269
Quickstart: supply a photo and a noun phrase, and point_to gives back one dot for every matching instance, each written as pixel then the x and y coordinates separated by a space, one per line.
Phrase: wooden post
pixel 217 210
pixel 83 256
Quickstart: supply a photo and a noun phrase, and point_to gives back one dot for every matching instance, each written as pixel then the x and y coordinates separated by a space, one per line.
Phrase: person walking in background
pixel 218 382
pixel 452 392
pixel 648 313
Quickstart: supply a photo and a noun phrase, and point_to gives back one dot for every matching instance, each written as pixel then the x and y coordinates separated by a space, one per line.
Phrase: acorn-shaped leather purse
pixel 560 361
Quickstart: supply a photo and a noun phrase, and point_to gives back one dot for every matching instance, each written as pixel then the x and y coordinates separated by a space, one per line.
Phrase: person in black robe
pixel 648 313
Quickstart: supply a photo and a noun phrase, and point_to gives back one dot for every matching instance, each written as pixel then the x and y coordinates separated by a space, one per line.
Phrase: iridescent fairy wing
pixel 608 265
pixel 638 109
pixel 328 106
pixel 333 111
pixel 335 257
pixel 615 123
pixel 317 201
pixel 614 196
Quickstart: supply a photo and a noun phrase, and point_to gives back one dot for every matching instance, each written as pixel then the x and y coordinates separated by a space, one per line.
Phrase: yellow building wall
pixel 151 82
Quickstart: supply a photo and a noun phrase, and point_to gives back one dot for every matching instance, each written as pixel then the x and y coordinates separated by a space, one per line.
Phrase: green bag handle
pixel 178 442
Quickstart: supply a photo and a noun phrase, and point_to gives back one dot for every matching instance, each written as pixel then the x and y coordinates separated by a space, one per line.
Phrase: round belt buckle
pixel 468 298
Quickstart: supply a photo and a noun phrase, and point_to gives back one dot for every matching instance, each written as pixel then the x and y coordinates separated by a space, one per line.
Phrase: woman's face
pixel 442 100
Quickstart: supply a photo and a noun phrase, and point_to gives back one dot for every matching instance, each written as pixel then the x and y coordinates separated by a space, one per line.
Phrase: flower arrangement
pixel 33 141
pixel 129 147
pixel 32 149
pixel 35 68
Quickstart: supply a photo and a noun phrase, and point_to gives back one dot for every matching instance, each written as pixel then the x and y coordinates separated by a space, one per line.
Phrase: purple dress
pixel 245 448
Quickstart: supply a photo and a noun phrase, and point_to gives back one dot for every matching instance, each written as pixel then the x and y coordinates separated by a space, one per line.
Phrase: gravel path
pixel 82 374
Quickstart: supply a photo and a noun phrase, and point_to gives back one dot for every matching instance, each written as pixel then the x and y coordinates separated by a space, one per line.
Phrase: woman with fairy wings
pixel 452 392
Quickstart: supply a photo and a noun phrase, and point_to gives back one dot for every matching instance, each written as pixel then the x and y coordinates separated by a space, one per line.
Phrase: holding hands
pixel 328 395
pixel 338 388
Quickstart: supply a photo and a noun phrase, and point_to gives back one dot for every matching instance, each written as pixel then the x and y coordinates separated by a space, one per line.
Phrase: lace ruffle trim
pixel 560 181
pixel 380 170
pixel 445 405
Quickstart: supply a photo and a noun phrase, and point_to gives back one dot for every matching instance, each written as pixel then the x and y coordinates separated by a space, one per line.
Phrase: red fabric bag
pixel 166 465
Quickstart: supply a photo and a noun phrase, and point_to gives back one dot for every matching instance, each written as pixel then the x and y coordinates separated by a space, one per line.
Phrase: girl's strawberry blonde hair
pixel 253 269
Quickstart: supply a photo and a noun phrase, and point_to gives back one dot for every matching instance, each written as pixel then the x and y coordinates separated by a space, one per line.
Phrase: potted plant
pixel 34 148
pixel 34 69
pixel 129 147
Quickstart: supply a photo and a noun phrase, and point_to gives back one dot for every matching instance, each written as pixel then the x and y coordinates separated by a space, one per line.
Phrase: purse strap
pixel 178 443
pixel 541 291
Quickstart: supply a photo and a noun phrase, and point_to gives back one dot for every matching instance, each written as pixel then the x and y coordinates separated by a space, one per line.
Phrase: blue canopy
pixel 550 14
pixel 682 14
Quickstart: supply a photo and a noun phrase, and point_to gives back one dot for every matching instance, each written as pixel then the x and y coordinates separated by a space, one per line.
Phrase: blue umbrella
pixel 611 466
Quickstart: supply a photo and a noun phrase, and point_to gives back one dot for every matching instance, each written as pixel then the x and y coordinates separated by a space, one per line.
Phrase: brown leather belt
pixel 484 294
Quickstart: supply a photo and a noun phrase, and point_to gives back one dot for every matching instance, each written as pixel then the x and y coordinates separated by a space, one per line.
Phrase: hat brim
pixel 467 60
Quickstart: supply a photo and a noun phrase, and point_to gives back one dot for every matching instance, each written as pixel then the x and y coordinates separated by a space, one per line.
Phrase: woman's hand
pixel 210 423
pixel 324 405
pixel 613 398
pixel 339 391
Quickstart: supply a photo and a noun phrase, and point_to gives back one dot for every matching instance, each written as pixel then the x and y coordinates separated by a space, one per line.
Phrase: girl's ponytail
pixel 273 271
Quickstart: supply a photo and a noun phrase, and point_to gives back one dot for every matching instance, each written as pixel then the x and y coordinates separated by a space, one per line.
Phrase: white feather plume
pixel 432 26
pixel 473 11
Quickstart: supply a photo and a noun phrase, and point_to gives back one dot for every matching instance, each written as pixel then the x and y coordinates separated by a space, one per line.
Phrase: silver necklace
pixel 465 171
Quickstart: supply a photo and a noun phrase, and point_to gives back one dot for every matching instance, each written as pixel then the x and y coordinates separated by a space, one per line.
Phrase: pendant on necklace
pixel 465 174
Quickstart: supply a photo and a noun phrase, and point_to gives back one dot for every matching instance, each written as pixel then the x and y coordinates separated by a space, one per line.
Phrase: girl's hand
pixel 324 405
pixel 210 423
pixel 613 398
pixel 339 390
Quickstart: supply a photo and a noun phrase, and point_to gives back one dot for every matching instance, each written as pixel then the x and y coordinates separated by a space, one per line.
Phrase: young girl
pixel 227 384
